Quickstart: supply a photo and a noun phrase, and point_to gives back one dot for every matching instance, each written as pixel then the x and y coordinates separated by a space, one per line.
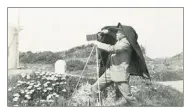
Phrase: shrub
pixel 73 65
pixel 41 88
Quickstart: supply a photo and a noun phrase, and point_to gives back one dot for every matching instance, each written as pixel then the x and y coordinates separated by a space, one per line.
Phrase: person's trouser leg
pixel 104 81
pixel 102 70
pixel 124 88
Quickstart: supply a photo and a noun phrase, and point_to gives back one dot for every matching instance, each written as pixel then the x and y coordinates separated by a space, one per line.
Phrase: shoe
pixel 94 98
pixel 132 101
pixel 121 102
pixel 93 93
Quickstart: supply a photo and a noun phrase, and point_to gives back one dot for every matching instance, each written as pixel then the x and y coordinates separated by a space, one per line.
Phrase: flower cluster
pixel 38 89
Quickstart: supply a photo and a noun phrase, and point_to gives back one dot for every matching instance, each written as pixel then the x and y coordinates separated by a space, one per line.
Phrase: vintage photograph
pixel 119 57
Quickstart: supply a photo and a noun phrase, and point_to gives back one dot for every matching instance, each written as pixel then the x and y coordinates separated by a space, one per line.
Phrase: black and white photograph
pixel 95 57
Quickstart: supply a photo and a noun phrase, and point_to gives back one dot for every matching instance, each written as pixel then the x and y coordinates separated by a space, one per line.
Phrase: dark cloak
pixel 137 65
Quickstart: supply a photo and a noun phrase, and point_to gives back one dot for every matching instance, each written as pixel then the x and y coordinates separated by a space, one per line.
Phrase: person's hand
pixel 95 42
pixel 105 31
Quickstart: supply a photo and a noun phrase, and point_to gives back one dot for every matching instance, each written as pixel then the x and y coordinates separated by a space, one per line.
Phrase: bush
pixel 41 88
pixel 73 65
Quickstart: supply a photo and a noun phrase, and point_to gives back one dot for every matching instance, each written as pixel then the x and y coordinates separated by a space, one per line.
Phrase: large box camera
pixel 92 37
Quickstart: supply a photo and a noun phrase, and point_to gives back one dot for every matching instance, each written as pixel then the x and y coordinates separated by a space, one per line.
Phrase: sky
pixel 160 30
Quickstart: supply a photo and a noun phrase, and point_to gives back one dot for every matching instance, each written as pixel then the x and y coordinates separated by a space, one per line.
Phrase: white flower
pixel 15 99
pixel 36 86
pixel 20 82
pixel 57 75
pixel 50 101
pixel 48 78
pixel 48 82
pixel 9 89
pixel 16 105
pixel 57 95
pixel 32 81
pixel 45 90
pixel 31 84
pixel 53 84
pixel 22 91
pixel 47 73
pixel 29 87
pixel 27 97
pixel 37 72
pixel 49 88
pixel 134 89
pixel 28 93
pixel 28 76
pixel 63 78
pixel 26 90
pixel 32 90
pixel 50 73
pixel 62 83
pixel 64 90
pixel 54 93
pixel 45 84
pixel 42 101
pixel 23 75
pixel 16 95
pixel 54 79
pixel 42 73
pixel 24 101
pixel 39 88
pixel 49 97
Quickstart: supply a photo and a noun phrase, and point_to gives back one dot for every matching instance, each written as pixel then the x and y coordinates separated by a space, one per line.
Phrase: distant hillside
pixel 177 57
pixel 79 52
pixel 159 69
pixel 48 57
pixel 82 52
pixel 175 61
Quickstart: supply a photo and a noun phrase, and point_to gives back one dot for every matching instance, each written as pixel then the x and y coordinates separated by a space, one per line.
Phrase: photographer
pixel 121 58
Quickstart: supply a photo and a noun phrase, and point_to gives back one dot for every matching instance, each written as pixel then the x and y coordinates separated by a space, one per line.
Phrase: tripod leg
pixel 98 75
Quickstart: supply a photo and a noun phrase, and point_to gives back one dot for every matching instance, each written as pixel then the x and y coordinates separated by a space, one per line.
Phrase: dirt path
pixel 178 85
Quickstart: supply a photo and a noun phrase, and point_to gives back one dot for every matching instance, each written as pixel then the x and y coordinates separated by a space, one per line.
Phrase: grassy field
pixel 147 93
pixel 44 88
